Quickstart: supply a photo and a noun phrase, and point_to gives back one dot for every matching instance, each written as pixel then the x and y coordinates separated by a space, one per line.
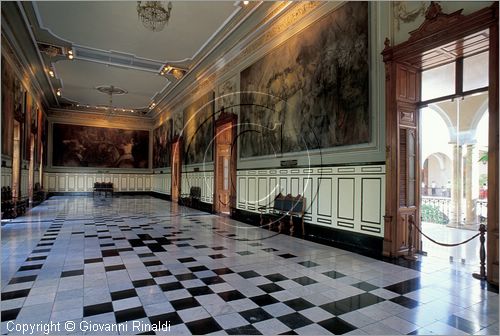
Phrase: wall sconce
pixel 70 54
pixel 51 73
pixel 58 92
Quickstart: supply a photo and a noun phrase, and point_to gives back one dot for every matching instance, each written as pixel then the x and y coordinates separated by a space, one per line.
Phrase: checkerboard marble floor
pixel 143 261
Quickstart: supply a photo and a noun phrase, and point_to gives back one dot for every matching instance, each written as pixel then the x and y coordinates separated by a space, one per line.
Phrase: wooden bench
pixel 105 187
pixel 283 206
pixel 39 195
pixel 12 206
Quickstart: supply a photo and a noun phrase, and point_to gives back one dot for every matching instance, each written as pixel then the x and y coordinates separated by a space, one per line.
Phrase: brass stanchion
pixel 482 254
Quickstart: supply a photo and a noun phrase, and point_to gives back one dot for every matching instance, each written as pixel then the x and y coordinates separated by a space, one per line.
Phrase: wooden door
pixel 176 169
pixel 225 164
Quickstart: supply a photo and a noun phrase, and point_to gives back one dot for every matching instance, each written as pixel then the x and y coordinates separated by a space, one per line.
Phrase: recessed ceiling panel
pixel 114 25
pixel 81 78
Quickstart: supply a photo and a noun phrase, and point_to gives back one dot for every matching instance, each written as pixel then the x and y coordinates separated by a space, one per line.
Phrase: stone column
pixel 456 186
pixel 469 183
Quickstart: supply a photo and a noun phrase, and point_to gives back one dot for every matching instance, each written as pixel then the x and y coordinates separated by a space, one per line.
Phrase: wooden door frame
pixel 176 174
pixel 224 119
pixel 437 30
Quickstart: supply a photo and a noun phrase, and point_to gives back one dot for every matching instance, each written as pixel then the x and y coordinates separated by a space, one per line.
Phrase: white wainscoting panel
pixel 342 197
pixel 162 183
pixel 6 177
pixel 84 182
pixel 24 182
pixel 204 180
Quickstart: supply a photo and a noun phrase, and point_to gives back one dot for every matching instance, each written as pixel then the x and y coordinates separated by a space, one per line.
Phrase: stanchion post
pixel 482 254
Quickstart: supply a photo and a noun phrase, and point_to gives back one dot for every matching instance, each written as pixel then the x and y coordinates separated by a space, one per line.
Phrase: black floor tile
pixel 365 286
pixel 97 309
pixel 152 263
pixel 71 273
pixel 171 286
pixel 110 253
pixel 186 260
pixel 204 326
pixel 249 274
pixel 463 324
pixel 36 258
pixel 351 303
pixel 29 268
pixel 298 304
pixel 308 263
pixel 243 330
pixel 219 248
pixel 169 318
pixel 11 314
pixel 244 253
pixel 334 274
pixel 197 268
pixel 291 332
pixel 405 286
pixel 304 281
pixel 198 291
pixel 143 283
pixel 294 320
pixel 200 246
pixel 92 260
pixel 130 314
pixel 270 288
pixel 185 303
pixel 221 271
pixel 27 278
pixel 158 274
pixel 337 326
pixel 217 256
pixel 212 280
pixel 287 256
pixel 269 249
pixel 231 295
pixel 276 277
pixel 114 268
pixel 15 294
pixel 255 315
pixel 185 276
pixel 264 300
pixel 123 294
pixel 145 255
pixel 405 302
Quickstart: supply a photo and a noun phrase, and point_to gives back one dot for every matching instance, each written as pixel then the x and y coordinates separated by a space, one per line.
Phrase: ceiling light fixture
pixel 246 2
pixel 177 72
pixel 70 54
pixel 58 92
pixel 153 15
pixel 51 73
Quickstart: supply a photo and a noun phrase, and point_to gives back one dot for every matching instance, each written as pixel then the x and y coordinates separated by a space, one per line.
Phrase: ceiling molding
pixel 97 117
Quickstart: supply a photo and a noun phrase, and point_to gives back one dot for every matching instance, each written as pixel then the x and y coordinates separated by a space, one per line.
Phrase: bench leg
pixel 292 228
pixel 280 227
pixel 303 228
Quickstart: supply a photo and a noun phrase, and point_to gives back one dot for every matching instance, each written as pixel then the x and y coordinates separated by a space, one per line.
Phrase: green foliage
pixel 432 214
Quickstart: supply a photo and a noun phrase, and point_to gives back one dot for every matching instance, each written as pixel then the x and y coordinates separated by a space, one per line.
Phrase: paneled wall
pixel 162 183
pixel 24 182
pixel 344 197
pixel 6 177
pixel 84 182
pixel 204 180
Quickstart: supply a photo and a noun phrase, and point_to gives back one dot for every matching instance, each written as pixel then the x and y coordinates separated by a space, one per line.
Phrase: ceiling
pixel 112 47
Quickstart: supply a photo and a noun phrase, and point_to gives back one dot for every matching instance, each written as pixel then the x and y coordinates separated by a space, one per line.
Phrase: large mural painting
pixel 198 130
pixel 162 136
pixel 87 146
pixel 312 91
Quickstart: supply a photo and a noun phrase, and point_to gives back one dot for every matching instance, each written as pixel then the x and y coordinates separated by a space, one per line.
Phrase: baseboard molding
pixel 351 241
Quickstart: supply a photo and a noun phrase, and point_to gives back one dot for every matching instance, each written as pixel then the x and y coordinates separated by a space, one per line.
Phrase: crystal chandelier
pixel 153 15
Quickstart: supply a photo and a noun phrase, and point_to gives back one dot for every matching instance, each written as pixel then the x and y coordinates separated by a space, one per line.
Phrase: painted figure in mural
pixel 127 159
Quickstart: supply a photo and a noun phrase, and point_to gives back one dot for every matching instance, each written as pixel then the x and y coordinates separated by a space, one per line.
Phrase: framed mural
pixel 199 130
pixel 162 136
pixel 312 91
pixel 88 146
pixel 227 96
pixel 7 109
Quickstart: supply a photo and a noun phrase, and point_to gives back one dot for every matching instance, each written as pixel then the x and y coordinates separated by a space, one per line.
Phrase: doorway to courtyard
pixel 454 156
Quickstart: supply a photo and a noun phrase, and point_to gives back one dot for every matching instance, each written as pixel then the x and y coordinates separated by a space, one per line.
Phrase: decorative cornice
pixel 88 117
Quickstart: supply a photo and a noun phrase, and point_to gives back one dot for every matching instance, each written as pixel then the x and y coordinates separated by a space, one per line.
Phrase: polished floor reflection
pixel 144 261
